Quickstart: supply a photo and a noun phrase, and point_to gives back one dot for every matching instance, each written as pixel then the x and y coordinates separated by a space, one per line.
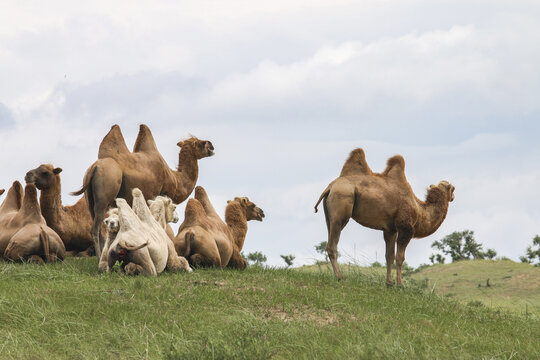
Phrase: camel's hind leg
pixel 390 239
pixel 105 186
pixel 405 235
pixel 338 209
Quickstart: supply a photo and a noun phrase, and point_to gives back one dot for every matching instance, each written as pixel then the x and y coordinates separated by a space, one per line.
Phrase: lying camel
pixel 117 171
pixel 24 234
pixel 206 240
pixel 72 223
pixel 383 202
pixel 163 210
pixel 141 242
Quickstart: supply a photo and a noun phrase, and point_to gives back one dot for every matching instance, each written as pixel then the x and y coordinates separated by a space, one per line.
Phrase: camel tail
pixel 189 241
pixel 123 244
pixel 323 196
pixel 44 237
pixel 87 182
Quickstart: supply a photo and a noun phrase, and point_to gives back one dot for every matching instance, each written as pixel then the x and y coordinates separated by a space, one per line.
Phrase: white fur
pixel 138 226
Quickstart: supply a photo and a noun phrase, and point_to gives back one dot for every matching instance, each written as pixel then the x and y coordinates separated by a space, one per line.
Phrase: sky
pixel 285 90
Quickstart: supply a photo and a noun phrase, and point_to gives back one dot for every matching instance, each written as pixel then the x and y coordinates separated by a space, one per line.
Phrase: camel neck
pixel 51 202
pixel 186 175
pixel 432 215
pixel 236 220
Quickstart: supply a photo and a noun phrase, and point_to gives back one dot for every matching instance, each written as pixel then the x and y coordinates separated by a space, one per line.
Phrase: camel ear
pixel 244 200
pixel 431 186
pixel 228 201
pixel 2 191
pixel 57 171
pixel 180 144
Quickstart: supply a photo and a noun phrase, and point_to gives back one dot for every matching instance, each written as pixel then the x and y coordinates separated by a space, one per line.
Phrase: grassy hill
pixel 513 286
pixel 68 311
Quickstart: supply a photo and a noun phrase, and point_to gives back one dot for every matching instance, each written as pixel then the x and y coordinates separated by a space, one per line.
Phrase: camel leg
pixel 390 239
pixel 338 208
pixel 405 235
pixel 35 259
pixel 106 184
pixel 205 259
pixel 103 265
pixel 174 262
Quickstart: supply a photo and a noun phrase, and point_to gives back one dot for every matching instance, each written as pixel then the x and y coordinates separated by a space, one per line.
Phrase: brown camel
pixel 383 202
pixel 117 171
pixel 72 223
pixel 205 240
pixel 24 234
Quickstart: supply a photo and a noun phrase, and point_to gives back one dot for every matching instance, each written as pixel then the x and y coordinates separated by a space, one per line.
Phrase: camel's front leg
pixel 405 235
pixel 390 239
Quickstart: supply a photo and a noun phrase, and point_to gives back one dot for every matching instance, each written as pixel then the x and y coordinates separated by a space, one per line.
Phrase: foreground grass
pixel 67 310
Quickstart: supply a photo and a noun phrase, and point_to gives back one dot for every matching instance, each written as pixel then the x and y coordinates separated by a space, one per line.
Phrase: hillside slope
pixel 514 286
pixel 68 311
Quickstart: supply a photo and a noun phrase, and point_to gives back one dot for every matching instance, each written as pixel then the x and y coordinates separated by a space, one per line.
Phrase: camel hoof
pixel 389 284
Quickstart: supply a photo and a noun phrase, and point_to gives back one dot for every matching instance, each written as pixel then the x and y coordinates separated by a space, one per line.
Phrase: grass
pixel 68 311
pixel 513 286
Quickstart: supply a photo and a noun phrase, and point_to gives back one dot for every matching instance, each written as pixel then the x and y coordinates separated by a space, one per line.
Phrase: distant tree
pixel 321 249
pixel 376 264
pixel 460 245
pixel 437 258
pixel 533 253
pixel 288 259
pixel 256 258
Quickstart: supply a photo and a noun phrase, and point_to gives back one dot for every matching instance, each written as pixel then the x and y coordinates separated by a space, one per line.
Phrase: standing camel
pixel 117 171
pixel 384 202
pixel 72 223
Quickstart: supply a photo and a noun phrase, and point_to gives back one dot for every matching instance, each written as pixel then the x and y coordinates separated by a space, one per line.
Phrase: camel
pixel 24 234
pixel 117 171
pixel 72 223
pixel 206 240
pixel 141 242
pixel 382 201
pixel 112 224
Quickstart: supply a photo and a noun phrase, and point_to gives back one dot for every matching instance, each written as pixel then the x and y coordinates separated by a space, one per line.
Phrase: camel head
pixel 170 208
pixel 443 187
pixel 201 148
pixel 253 212
pixel 111 221
pixel 43 176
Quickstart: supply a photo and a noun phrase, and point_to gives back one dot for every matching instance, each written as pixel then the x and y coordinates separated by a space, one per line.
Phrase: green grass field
pixel 68 311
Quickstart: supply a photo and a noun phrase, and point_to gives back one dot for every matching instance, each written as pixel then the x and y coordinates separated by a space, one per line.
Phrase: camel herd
pixel 130 198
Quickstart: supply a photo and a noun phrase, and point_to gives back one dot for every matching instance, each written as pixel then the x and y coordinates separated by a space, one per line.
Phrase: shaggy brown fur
pixel 383 202
pixel 117 171
pixel 206 240
pixel 72 223
pixel 24 234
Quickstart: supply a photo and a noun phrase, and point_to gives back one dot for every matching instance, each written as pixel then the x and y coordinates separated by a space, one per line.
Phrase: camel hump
pixel 30 210
pixel 395 168
pixel 13 200
pixel 193 213
pixel 145 141
pixel 356 164
pixel 112 144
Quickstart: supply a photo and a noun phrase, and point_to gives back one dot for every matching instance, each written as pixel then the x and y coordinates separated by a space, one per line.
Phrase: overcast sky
pixel 284 90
